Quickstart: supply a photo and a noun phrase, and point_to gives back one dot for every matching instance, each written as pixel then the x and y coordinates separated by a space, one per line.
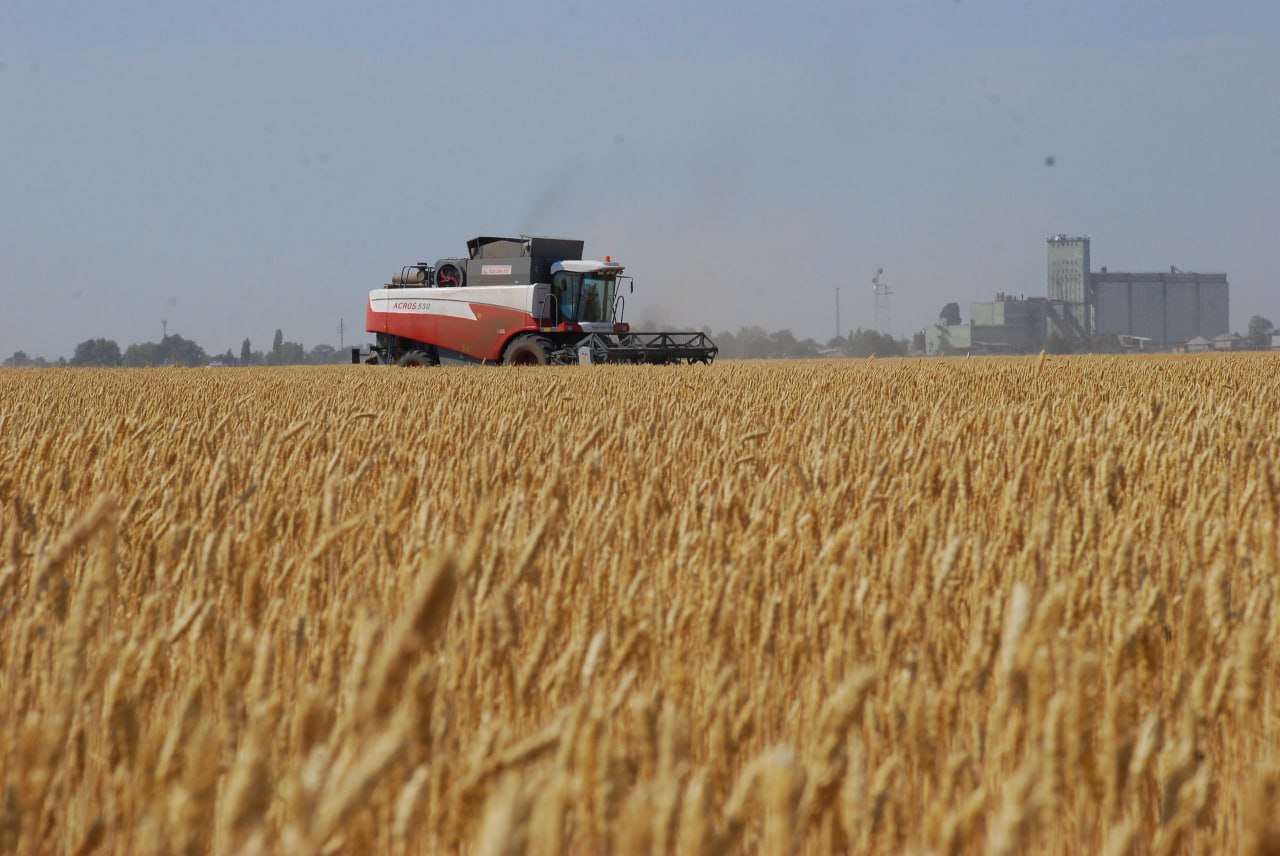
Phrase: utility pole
pixel 837 312
pixel 164 325
pixel 341 342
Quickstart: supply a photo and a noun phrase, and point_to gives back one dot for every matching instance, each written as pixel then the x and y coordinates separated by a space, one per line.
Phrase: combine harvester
pixel 520 301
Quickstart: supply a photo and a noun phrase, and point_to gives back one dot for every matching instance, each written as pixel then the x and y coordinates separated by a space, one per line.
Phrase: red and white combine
pixel 519 301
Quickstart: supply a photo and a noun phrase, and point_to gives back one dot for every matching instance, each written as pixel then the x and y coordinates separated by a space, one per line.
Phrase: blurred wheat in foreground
pixel 946 606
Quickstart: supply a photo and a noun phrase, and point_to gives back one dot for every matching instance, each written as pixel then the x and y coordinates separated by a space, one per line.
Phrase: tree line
pixel 756 343
pixel 177 351
pixel 749 343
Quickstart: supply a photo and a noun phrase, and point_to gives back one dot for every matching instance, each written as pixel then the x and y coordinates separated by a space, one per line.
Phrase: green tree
pixel 950 314
pixel 322 355
pixel 805 348
pixel 177 351
pixel 291 354
pixel 142 354
pixel 1260 330
pixel 96 352
pixel 246 353
pixel 753 343
pixel 728 345
pixel 170 351
pixel 782 343
pixel 865 343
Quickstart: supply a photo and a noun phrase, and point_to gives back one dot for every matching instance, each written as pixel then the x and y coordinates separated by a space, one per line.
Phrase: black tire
pixel 417 360
pixel 528 351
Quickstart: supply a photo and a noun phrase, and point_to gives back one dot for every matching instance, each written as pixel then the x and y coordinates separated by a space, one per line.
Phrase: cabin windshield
pixel 584 297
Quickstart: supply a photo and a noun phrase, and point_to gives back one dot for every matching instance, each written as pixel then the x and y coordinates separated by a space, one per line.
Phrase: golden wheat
pixel 944 606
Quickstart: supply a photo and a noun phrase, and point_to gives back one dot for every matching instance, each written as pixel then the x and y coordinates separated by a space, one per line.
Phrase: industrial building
pixel 1006 325
pixel 1068 287
pixel 1166 308
pixel 1154 311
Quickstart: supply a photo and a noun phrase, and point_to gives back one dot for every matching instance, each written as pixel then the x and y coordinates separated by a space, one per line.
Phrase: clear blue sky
pixel 238 167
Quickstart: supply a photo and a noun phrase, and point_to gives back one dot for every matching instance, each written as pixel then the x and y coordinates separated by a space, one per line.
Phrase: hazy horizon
pixel 235 169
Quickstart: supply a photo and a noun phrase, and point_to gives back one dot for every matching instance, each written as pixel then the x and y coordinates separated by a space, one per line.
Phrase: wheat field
pixel 936 606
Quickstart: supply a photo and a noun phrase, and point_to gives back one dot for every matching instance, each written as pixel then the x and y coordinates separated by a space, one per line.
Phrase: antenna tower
pixel 882 302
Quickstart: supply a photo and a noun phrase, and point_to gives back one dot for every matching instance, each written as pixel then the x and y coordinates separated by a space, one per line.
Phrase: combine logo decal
pixel 495 270
pixel 395 304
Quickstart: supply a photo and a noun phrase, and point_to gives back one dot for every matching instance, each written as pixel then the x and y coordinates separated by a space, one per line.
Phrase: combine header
pixel 519 301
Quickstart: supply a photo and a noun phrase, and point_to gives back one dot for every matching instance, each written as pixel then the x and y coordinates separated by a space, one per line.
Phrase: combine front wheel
pixel 417 360
pixel 527 351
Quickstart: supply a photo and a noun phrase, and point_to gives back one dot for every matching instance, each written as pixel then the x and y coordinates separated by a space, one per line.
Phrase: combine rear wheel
pixel 528 351
pixel 417 360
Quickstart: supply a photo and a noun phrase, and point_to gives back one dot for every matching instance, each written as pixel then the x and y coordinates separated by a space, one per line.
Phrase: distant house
pixel 1198 345
pixel 1228 342
pixel 1275 341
